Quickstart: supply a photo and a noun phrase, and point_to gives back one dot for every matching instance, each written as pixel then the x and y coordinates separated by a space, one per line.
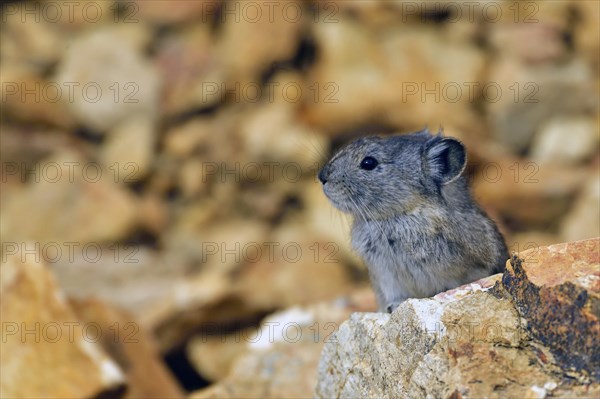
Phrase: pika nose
pixel 323 174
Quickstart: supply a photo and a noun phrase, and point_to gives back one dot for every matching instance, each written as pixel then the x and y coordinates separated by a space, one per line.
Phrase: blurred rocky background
pixel 162 228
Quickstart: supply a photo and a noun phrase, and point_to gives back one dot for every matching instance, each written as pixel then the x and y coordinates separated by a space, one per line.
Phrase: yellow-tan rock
pixel 46 350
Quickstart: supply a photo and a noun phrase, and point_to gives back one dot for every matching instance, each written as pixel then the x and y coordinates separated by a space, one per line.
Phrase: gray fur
pixel 415 223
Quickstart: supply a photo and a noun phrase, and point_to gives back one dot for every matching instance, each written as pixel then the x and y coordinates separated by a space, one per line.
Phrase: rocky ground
pixel 159 190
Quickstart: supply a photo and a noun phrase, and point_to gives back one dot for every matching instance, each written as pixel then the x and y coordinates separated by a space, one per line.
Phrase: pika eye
pixel 368 163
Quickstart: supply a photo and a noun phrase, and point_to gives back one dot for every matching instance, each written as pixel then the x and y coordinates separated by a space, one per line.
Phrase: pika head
pixel 378 177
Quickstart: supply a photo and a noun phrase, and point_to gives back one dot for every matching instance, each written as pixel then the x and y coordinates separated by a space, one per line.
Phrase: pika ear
pixel 444 159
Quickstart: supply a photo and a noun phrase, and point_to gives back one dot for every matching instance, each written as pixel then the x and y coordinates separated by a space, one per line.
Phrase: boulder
pixel 503 336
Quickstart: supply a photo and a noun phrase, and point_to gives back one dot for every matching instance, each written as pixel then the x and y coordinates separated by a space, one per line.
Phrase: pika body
pixel 415 223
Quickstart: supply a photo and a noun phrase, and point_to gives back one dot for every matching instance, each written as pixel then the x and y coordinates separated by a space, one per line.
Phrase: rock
pixel 205 137
pixel 46 350
pixel 525 193
pixel 194 135
pixel 294 267
pixel 163 293
pixel 532 239
pixel 587 31
pixel 273 134
pixel 23 147
pixel 198 98
pixel 192 178
pixel 221 246
pixel 581 221
pixel 27 97
pixel 78 201
pixel 550 282
pixel 394 350
pixel 453 21
pixel 202 69
pixel 163 12
pixel 74 18
pixel 532 32
pixel 281 358
pixel 566 140
pixel 207 258
pixel 524 41
pixel 256 35
pixel 212 356
pixel 268 201
pixel 130 147
pixel 386 76
pixel 133 349
pixel 130 277
pixel 29 42
pixel 190 67
pixel 503 336
pixel 370 12
pixel 114 81
pixel 516 91
pixel 206 151
pixel 238 270
pixel 155 211
pixel 193 303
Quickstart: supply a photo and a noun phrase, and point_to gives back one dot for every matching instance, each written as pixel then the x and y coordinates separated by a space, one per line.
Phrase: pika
pixel 415 223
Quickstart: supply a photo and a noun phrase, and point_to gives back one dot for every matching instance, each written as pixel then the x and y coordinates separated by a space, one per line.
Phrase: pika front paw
pixel 392 306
